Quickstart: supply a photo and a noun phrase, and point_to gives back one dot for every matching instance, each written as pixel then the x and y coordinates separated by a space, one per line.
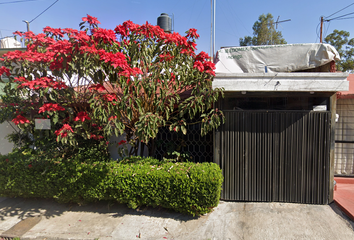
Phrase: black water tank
pixel 165 22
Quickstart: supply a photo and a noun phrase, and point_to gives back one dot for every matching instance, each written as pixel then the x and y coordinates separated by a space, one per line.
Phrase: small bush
pixel 191 188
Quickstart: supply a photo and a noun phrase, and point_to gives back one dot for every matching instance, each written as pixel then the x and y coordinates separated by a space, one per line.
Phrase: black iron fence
pixel 191 147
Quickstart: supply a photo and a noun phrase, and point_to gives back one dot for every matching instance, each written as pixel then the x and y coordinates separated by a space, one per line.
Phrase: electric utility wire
pixel 229 22
pixel 43 11
pixel 345 18
pixel 7 30
pixel 232 8
pixel 325 32
pixel 18 1
pixel 339 10
pixel 339 17
pixel 191 15
pixel 200 12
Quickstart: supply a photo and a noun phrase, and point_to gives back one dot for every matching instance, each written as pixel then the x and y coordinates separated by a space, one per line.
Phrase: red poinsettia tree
pixel 93 83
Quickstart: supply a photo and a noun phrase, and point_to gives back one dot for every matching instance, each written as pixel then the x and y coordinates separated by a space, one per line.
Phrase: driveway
pixel 46 219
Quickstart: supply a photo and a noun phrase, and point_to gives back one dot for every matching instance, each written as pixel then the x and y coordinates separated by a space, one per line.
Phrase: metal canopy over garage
pixel 277 143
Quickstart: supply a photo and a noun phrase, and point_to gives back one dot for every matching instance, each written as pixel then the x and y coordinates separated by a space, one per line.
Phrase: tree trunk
pixel 152 147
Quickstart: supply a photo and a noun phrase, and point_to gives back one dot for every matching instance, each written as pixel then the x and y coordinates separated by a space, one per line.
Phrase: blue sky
pixel 234 19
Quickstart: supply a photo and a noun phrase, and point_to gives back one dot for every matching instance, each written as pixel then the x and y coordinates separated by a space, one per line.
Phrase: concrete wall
pixel 281 82
pixel 5 145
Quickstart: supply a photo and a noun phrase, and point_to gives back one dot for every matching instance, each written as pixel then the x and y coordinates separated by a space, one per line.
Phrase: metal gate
pixel 344 146
pixel 280 156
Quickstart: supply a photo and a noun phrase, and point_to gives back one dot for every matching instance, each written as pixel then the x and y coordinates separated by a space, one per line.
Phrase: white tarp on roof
pixel 9 42
pixel 274 58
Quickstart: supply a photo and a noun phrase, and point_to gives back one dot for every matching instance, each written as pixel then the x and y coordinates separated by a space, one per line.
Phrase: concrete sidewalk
pixel 46 219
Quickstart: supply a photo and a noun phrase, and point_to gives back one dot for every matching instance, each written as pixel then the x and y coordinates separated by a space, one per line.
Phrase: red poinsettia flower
pixel 122 142
pixel 54 31
pixel 18 33
pixel 112 118
pixel 202 56
pixel 192 33
pixel 96 137
pixel 69 30
pixel 63 132
pixel 97 87
pixel 110 97
pixel 90 20
pixel 105 35
pixel 166 57
pixel 50 107
pixel 115 59
pixel 126 27
pixel 20 120
pixel 198 65
pixel 209 67
pixel 173 77
pixel 4 70
pixel 44 82
pixel 82 116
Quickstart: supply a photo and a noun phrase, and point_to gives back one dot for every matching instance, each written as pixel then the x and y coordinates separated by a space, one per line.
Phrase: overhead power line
pixel 18 1
pixel 43 11
pixel 345 18
pixel 7 30
pixel 338 18
pixel 342 17
pixel 339 10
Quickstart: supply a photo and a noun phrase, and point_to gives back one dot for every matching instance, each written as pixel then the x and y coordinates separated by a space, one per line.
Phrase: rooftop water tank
pixel 165 22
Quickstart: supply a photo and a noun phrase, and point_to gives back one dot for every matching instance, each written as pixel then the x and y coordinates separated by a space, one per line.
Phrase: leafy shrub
pixel 191 188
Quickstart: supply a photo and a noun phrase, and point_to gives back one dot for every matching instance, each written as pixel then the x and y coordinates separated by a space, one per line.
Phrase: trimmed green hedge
pixel 191 188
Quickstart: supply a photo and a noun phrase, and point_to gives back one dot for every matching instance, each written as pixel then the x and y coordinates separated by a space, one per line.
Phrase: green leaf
pixel 55 119
pixel 184 130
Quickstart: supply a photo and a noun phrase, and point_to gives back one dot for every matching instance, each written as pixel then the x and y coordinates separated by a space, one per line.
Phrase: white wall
pixel 5 145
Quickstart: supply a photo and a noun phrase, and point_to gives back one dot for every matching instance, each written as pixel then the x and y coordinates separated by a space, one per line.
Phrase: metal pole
pixel 27 25
pixel 173 21
pixel 214 30
pixel 321 30
pixel 211 28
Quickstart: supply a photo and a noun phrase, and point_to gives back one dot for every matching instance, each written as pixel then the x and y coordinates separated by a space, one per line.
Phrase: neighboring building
pixel 9 42
pixel 277 143
pixel 344 148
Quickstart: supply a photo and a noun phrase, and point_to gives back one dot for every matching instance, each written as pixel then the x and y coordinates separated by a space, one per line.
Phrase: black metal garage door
pixel 280 156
